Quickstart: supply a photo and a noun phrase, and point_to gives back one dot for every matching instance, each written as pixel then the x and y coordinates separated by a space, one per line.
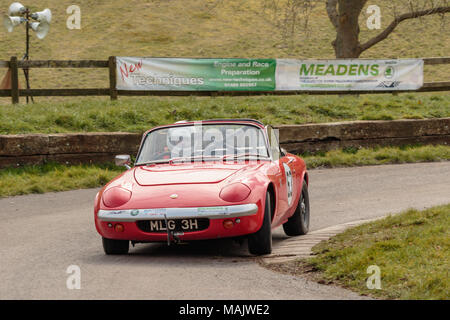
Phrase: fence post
pixel 13 66
pixel 112 78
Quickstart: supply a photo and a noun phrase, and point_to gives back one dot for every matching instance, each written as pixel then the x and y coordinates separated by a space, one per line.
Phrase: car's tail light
pixel 235 192
pixel 115 197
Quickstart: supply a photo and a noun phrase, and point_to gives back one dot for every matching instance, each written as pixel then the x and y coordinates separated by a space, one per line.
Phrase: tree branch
pixel 410 15
pixel 332 12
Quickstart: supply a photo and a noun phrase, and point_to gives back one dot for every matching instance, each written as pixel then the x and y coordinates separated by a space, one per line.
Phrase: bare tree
pixel 292 17
pixel 344 15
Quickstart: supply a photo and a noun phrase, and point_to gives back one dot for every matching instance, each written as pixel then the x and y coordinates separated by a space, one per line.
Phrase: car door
pixel 287 182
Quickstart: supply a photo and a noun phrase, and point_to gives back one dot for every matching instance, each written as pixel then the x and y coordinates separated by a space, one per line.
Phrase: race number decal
pixel 288 173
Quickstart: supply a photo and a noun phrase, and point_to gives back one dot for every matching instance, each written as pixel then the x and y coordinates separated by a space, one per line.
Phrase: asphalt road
pixel 42 235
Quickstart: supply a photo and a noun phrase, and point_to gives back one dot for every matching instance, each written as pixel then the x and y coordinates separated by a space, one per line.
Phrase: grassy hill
pixel 200 28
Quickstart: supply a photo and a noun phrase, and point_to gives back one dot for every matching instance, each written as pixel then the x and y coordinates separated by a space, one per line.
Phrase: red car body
pixel 202 190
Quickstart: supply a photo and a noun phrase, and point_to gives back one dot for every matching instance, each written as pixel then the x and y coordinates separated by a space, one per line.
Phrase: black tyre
pixel 111 246
pixel 260 242
pixel 298 224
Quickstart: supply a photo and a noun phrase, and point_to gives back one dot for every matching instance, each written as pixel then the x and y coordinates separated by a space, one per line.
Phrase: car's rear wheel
pixel 111 246
pixel 260 242
pixel 298 224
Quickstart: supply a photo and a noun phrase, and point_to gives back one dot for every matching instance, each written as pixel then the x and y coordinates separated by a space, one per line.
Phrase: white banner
pixel 348 75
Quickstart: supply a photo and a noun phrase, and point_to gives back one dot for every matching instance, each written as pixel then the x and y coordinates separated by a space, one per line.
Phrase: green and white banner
pixel 180 74
pixel 195 74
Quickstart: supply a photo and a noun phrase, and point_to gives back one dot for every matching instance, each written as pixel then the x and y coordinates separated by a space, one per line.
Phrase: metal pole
pixel 27 54
pixel 27 48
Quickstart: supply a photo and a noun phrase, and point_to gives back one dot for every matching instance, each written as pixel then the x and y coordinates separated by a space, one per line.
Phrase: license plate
pixel 174 225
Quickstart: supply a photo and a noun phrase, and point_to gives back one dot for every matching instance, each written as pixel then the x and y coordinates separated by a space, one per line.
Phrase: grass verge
pixel 138 114
pixel 412 250
pixel 58 177
pixel 374 156
pixel 54 177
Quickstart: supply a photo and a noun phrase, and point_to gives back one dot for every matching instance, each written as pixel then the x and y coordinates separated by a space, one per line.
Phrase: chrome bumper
pixel 222 212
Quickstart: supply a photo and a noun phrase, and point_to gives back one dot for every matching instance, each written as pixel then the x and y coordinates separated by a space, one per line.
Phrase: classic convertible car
pixel 205 180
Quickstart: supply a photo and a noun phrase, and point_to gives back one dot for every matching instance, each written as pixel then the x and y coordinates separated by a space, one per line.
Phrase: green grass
pixel 375 156
pixel 54 177
pixel 140 114
pixel 57 177
pixel 411 249
pixel 197 28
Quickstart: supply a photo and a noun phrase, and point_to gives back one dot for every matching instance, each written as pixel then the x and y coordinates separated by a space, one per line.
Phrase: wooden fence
pixel 14 65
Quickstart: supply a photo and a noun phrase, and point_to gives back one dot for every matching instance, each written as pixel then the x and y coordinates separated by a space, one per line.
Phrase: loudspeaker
pixel 43 16
pixel 11 22
pixel 16 9
pixel 41 29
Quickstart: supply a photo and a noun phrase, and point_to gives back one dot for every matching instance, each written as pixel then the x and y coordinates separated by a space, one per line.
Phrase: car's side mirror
pixel 283 152
pixel 123 160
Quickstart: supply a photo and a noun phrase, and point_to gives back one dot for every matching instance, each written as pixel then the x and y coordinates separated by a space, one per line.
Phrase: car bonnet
pixel 185 173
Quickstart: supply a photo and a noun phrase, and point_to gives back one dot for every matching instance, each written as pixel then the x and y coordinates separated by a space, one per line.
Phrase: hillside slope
pixel 199 28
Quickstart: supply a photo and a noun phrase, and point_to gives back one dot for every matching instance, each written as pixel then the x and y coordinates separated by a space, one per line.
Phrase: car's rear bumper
pixel 245 217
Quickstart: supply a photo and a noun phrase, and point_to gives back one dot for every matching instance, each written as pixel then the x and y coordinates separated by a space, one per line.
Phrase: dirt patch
pixel 294 267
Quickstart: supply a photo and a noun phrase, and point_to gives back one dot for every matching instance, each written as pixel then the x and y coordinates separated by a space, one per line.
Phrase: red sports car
pixel 205 180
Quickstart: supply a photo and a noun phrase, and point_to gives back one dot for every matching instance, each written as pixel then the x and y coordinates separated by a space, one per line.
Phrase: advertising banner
pixel 348 75
pixel 179 74
pixel 195 74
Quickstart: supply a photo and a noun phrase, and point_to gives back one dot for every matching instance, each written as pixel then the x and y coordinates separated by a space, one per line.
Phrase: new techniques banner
pixel 195 74
pixel 180 74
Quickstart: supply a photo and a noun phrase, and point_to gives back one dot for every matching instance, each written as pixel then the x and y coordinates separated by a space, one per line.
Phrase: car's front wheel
pixel 260 242
pixel 298 224
pixel 111 246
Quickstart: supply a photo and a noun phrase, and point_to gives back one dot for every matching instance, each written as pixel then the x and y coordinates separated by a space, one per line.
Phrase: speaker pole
pixel 27 54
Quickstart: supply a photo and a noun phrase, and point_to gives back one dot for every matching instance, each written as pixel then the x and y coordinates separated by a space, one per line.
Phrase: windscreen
pixel 212 141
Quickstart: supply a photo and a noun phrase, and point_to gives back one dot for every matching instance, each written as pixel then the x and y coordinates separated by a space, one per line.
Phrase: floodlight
pixel 43 16
pixel 11 22
pixel 16 9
